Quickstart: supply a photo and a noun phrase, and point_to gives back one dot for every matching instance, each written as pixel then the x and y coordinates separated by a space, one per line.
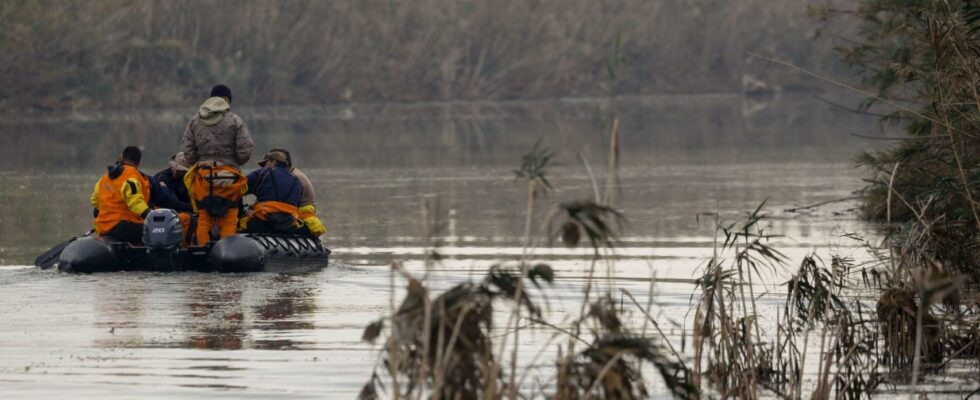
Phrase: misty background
pixel 72 54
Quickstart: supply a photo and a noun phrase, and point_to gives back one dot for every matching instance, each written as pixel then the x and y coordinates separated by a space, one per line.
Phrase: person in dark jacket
pixel 277 197
pixel 162 197
pixel 307 205
pixel 171 179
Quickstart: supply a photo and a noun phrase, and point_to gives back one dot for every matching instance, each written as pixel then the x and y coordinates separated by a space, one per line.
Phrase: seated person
pixel 120 199
pixel 172 179
pixel 162 197
pixel 307 205
pixel 277 196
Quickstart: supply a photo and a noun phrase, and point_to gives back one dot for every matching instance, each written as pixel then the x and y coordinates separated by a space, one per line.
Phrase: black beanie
pixel 221 91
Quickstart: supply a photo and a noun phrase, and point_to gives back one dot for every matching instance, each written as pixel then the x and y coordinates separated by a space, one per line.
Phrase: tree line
pixel 74 54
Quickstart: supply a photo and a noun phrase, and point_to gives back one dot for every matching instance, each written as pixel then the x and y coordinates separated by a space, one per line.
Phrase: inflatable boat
pixel 162 251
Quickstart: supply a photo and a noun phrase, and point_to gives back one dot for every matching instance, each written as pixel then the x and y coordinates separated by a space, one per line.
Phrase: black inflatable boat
pixel 162 251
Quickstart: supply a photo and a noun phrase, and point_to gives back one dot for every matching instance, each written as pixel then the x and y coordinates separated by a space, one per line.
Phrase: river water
pixel 150 335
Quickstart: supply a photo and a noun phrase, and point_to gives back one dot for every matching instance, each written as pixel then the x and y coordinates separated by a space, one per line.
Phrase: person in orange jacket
pixel 121 199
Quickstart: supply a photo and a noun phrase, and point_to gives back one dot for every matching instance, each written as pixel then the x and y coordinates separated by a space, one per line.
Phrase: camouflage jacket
pixel 217 134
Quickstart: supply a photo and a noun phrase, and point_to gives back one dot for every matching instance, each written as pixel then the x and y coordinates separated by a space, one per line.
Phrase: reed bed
pixel 920 67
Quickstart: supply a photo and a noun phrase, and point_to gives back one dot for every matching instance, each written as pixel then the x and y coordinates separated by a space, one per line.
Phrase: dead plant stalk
pixel 515 315
pixel 392 345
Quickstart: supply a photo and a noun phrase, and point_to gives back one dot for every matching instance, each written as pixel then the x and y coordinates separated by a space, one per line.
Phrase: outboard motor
pixel 162 234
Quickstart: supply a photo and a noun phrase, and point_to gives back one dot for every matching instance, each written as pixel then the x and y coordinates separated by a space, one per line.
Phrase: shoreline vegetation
pixel 921 59
pixel 81 55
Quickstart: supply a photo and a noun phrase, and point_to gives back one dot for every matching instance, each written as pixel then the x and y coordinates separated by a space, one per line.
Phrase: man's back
pixel 121 198
pixel 275 184
pixel 228 141
pixel 217 134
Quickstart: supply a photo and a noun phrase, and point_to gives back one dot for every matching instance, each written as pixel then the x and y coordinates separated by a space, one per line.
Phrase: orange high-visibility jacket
pixel 120 195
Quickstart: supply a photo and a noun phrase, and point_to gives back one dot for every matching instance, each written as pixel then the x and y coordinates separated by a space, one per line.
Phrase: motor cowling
pixel 162 230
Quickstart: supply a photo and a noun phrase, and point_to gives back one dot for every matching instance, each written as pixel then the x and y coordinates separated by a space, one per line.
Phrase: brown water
pixel 146 335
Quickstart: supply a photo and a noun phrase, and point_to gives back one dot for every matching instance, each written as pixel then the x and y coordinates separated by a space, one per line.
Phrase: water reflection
pixel 288 310
pixel 119 310
pixel 217 317
pixel 235 315
pixel 204 311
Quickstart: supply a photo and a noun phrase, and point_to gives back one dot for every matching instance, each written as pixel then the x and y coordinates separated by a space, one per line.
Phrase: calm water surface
pixel 147 335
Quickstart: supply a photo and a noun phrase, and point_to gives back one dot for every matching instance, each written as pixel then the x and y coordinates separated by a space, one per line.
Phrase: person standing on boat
pixel 277 197
pixel 121 199
pixel 307 205
pixel 216 143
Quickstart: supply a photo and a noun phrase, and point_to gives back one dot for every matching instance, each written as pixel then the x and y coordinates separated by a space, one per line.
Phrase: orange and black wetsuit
pixel 120 201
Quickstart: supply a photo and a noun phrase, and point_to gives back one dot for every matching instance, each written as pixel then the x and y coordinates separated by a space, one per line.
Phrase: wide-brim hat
pixel 274 155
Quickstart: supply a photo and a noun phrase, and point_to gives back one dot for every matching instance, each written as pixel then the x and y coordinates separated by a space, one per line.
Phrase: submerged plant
pixel 609 367
pixel 734 357
pixel 534 166
pixel 571 219
pixel 454 357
